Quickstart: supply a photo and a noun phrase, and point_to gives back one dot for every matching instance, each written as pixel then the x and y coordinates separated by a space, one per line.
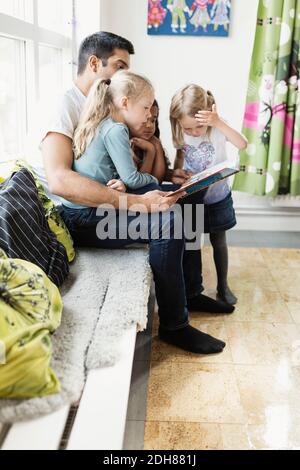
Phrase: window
pixel 50 70
pixel 35 60
pixel 22 9
pixel 12 97
pixel 38 54
pixel 56 15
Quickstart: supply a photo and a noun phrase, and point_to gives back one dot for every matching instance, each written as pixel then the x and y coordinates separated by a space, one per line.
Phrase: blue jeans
pixel 166 256
pixel 192 259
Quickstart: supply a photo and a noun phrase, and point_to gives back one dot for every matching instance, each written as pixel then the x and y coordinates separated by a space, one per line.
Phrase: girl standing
pixel 200 136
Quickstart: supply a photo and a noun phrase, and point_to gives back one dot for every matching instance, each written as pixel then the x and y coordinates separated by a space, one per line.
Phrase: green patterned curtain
pixel 271 163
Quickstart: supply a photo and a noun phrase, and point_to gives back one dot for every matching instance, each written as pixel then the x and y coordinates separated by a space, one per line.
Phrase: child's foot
pixel 202 303
pixel 227 296
pixel 192 340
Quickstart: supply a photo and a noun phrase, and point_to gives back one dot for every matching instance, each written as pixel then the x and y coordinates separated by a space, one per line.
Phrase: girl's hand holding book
pixel 180 176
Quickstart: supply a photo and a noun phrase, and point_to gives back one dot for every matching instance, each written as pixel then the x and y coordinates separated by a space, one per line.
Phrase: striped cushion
pixel 24 231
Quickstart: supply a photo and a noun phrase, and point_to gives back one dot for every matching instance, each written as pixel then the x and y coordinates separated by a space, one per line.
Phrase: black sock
pixel 225 294
pixel 202 303
pixel 192 340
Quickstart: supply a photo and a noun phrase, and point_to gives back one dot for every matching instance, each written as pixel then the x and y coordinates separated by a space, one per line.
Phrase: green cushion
pixel 30 310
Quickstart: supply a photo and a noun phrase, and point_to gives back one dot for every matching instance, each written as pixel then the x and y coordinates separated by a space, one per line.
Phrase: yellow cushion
pixel 30 309
pixel 6 169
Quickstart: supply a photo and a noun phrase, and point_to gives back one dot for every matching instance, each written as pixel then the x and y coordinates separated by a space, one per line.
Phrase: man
pixel 100 56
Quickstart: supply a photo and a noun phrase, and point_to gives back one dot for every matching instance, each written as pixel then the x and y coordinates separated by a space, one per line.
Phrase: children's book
pixel 205 178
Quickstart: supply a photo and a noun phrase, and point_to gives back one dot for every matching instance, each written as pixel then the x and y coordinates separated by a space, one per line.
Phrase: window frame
pixel 21 92
pixel 31 36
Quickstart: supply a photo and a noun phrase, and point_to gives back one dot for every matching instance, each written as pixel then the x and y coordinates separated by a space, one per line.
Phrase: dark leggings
pixel 220 249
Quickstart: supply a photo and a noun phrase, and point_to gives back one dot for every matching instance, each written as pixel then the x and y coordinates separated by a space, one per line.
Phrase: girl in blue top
pixel 200 136
pixel 101 142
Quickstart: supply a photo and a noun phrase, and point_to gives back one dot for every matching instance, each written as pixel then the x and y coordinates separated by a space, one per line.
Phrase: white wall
pixel 88 18
pixel 219 64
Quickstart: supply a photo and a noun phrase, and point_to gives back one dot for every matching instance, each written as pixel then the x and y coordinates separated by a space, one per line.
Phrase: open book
pixel 207 177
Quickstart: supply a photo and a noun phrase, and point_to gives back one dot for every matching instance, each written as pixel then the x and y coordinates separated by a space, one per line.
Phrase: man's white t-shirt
pixel 66 117
pixel 63 119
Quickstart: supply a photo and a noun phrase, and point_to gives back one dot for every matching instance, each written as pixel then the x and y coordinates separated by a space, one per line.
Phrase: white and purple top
pixel 204 152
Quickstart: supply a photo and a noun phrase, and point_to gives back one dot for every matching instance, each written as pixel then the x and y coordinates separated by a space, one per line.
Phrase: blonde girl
pixel 101 141
pixel 200 135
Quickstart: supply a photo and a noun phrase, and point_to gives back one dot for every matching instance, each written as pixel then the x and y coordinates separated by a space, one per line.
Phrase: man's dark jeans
pixel 177 272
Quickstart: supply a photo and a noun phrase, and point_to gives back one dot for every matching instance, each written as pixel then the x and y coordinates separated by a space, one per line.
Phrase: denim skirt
pixel 219 216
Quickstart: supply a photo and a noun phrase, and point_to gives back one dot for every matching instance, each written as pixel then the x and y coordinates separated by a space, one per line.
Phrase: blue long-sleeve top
pixel 109 156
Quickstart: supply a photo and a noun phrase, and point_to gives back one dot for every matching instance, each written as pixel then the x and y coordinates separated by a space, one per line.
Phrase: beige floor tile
pixel 241 257
pixel 182 436
pixel 208 268
pixel 263 343
pixel 193 393
pixel 206 253
pixel 270 394
pixel 286 436
pixel 294 309
pixel 263 437
pixel 288 283
pixel 202 436
pixel 195 317
pixel 207 402
pixel 164 352
pixel 248 278
pixel 207 317
pixel 210 279
pixel 238 256
pixel 260 305
pixel 277 259
pixel 235 437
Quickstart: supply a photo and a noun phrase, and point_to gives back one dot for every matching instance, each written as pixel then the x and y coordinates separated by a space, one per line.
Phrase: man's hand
pixel 208 118
pixel 117 185
pixel 156 201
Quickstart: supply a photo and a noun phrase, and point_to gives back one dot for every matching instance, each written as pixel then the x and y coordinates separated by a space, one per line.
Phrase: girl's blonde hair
pixel 187 102
pixel 101 103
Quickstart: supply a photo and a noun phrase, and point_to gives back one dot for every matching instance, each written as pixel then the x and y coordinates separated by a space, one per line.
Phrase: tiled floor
pixel 247 397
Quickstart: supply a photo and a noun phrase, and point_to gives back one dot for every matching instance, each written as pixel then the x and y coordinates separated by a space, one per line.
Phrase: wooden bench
pixel 97 422
pixel 100 419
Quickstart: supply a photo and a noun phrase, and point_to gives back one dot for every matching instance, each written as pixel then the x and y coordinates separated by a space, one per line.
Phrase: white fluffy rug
pixel 107 291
